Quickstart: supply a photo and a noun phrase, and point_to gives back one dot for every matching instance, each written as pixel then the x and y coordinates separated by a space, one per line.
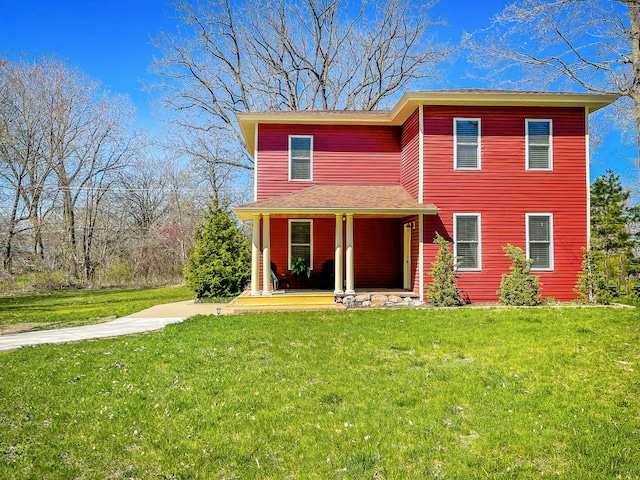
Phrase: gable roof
pixel 411 100
pixel 379 200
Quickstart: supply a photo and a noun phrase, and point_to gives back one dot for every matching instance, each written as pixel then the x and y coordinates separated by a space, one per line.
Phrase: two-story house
pixel 360 195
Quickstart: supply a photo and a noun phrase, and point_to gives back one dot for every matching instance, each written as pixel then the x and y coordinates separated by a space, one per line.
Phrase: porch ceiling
pixel 326 200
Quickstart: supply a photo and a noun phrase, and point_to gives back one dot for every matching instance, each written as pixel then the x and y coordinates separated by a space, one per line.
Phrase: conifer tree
pixel 443 291
pixel 219 266
pixel 591 286
pixel 519 287
pixel 612 226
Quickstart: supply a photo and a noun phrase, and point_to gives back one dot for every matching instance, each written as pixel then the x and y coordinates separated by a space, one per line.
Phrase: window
pixel 300 243
pixel 539 145
pixel 466 233
pixel 300 158
pixel 540 241
pixel 467 144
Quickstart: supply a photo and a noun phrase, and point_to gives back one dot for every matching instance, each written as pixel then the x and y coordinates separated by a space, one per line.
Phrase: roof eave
pixel 489 98
pixel 247 213
pixel 248 121
pixel 411 100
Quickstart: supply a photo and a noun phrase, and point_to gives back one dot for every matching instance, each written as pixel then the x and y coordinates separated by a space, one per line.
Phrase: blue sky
pixel 107 39
pixel 110 41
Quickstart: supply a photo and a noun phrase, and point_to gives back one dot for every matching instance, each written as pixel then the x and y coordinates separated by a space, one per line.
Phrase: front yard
pixel 496 393
pixel 74 307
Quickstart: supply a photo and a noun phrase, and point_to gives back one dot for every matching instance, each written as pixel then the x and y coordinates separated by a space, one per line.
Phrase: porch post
pixel 266 255
pixel 350 265
pixel 255 256
pixel 338 256
pixel 421 256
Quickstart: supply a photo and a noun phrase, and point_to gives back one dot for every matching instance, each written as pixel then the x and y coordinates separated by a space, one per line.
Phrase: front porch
pixel 351 238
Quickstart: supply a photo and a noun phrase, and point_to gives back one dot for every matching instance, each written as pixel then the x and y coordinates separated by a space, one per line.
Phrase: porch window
pixel 539 150
pixel 300 241
pixel 540 241
pixel 466 144
pixel 467 241
pixel 300 157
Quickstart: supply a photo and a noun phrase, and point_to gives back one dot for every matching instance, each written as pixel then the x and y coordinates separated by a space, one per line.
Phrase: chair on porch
pixel 328 275
pixel 278 279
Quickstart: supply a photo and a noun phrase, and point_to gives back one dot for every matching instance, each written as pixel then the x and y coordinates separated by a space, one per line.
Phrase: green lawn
pixel 498 393
pixel 66 308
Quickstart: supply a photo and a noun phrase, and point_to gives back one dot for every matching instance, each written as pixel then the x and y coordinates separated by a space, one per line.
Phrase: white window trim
pixel 455 240
pixel 526 144
pixel 300 220
pixel 551 243
pixel 310 158
pixel 455 144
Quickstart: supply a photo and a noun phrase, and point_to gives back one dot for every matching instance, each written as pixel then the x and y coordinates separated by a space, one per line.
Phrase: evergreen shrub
pixel 520 287
pixel 592 286
pixel 443 291
pixel 220 264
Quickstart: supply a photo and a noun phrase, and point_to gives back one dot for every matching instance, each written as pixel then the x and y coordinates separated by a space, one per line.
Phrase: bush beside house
pixel 220 264
pixel 443 291
pixel 520 287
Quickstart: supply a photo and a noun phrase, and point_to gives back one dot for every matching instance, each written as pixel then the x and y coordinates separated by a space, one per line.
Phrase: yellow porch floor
pixel 281 301
pixel 301 300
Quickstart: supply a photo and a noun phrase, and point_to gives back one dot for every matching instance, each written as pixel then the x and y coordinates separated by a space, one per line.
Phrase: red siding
pixel 324 237
pixel 346 155
pixel 377 245
pixel 411 155
pixel 503 192
pixel 280 243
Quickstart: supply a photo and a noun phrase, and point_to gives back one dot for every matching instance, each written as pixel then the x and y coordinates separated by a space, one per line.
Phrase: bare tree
pixel 63 139
pixel 87 141
pixel 186 197
pixel 286 55
pixel 593 45
pixel 159 199
pixel 23 171
pixel 208 156
pixel 143 193
pixel 82 193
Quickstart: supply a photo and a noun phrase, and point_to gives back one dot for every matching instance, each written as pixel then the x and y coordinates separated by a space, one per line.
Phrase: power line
pixel 106 189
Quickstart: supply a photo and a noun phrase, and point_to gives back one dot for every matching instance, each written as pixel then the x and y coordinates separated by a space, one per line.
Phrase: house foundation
pixel 395 298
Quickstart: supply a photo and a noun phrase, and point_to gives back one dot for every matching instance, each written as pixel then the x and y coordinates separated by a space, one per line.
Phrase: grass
pixel 633 300
pixel 497 393
pixel 73 307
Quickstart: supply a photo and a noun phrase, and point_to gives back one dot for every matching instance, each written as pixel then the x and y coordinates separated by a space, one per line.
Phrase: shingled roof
pixel 384 200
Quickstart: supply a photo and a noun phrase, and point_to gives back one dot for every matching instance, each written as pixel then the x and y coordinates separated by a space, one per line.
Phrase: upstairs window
pixel 467 241
pixel 540 241
pixel 300 157
pixel 467 144
pixel 300 241
pixel 539 145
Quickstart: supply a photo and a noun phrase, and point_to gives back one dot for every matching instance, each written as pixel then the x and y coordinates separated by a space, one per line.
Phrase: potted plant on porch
pixel 301 271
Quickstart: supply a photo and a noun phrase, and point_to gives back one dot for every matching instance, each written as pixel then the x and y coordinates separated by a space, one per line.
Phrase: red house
pixel 361 195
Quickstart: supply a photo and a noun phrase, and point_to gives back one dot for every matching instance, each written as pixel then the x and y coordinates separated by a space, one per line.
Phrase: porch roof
pixel 374 200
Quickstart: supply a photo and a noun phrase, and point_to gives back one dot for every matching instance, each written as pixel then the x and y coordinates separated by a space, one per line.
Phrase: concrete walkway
pixel 154 318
